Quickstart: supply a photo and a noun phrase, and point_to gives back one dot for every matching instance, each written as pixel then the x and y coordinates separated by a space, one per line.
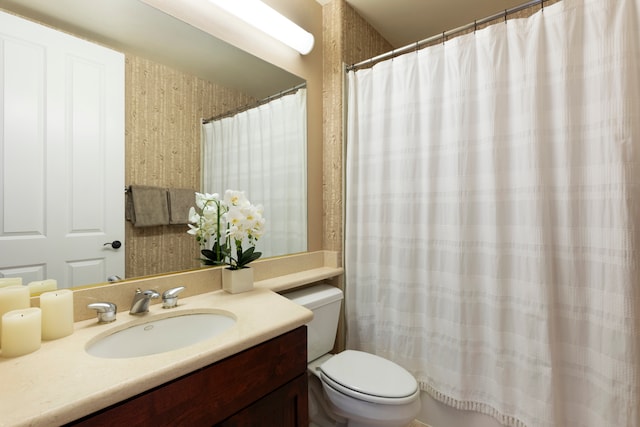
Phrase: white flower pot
pixel 236 281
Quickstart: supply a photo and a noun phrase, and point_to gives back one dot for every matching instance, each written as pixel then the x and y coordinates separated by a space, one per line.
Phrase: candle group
pixel 22 328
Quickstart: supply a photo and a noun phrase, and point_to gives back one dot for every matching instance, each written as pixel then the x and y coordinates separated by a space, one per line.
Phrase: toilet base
pixel 323 413
pixel 319 413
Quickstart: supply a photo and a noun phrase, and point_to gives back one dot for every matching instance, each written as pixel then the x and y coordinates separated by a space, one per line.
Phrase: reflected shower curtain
pixel 493 216
pixel 263 152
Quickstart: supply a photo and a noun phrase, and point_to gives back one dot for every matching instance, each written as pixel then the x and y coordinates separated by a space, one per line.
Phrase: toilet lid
pixel 369 377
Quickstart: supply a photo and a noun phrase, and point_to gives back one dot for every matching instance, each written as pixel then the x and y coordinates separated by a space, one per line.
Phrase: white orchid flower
pixel 227 222
pixel 203 199
pixel 236 198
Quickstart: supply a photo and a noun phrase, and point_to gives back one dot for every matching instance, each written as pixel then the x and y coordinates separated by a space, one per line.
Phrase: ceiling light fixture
pixel 269 21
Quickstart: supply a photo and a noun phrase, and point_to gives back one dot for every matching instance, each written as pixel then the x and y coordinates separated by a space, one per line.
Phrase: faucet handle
pixel 170 297
pixel 106 311
pixel 149 293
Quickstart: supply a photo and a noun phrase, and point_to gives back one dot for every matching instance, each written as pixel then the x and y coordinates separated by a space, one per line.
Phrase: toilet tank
pixel 324 301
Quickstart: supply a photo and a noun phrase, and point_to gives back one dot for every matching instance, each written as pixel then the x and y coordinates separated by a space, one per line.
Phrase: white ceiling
pixel 402 22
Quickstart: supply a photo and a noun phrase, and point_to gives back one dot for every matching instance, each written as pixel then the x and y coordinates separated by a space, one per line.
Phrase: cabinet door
pixel 286 407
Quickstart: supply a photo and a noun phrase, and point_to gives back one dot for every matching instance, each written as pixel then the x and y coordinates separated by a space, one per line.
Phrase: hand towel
pixel 180 200
pixel 147 206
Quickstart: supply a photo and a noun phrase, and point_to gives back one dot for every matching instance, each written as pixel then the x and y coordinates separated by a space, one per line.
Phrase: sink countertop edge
pixel 60 382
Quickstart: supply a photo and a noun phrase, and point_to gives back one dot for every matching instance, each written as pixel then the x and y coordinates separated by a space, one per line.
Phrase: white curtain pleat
pixel 492 216
pixel 262 151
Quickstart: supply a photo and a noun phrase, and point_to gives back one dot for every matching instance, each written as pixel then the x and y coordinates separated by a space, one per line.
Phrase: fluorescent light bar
pixel 269 21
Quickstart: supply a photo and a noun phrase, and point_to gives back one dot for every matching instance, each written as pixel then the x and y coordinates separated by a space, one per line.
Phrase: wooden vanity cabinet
pixel 265 386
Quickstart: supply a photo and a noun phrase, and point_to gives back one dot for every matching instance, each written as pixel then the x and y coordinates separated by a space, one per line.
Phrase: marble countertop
pixel 60 382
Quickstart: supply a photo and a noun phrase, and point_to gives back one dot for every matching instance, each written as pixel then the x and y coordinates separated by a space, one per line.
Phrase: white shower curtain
pixel 493 216
pixel 263 152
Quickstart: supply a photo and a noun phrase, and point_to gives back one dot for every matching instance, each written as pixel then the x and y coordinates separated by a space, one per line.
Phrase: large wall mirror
pixel 175 75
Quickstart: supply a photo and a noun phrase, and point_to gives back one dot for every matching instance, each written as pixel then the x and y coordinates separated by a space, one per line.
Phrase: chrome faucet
pixel 170 297
pixel 141 299
pixel 106 311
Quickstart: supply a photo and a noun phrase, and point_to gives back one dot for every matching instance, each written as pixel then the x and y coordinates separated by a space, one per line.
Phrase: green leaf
pixel 214 256
pixel 247 256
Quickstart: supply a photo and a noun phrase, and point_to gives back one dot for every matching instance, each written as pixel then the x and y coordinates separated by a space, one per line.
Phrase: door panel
pixel 62 156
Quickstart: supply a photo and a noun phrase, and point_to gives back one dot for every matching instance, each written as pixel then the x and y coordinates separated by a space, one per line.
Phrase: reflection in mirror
pixel 175 75
pixel 262 151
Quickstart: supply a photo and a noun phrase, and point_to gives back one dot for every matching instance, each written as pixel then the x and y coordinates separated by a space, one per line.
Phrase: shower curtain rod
pixel 255 104
pixel 420 44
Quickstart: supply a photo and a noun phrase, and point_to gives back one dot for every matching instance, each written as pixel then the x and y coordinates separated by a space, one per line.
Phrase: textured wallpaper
pixel 347 39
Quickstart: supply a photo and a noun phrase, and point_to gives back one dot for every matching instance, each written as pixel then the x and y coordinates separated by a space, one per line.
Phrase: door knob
pixel 115 244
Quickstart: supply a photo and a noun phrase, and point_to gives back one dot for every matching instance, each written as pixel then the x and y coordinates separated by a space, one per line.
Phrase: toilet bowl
pixel 351 388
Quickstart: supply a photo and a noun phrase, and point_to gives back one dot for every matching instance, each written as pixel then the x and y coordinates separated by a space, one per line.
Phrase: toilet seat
pixel 370 378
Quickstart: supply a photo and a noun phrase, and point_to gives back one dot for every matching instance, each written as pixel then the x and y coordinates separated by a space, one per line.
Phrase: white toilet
pixel 352 388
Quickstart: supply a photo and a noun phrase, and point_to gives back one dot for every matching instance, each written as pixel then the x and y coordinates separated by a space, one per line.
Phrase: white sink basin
pixel 160 335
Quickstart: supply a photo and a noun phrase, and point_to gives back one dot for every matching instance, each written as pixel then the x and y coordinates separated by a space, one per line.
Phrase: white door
pixel 61 154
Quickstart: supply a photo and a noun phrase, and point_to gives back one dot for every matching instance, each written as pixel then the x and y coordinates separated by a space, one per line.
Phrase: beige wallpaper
pixel 162 138
pixel 347 38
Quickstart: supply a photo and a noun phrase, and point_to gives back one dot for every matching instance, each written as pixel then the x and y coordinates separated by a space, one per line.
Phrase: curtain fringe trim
pixel 466 405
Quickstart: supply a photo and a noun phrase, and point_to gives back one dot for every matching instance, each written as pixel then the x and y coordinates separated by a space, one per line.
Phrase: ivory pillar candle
pixel 10 281
pixel 13 298
pixel 57 314
pixel 21 330
pixel 40 286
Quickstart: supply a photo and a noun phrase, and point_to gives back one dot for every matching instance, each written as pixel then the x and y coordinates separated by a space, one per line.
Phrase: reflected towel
pixel 147 206
pixel 180 201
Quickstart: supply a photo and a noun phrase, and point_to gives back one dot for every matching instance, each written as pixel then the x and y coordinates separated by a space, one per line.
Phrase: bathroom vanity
pixel 253 371
pixel 265 385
